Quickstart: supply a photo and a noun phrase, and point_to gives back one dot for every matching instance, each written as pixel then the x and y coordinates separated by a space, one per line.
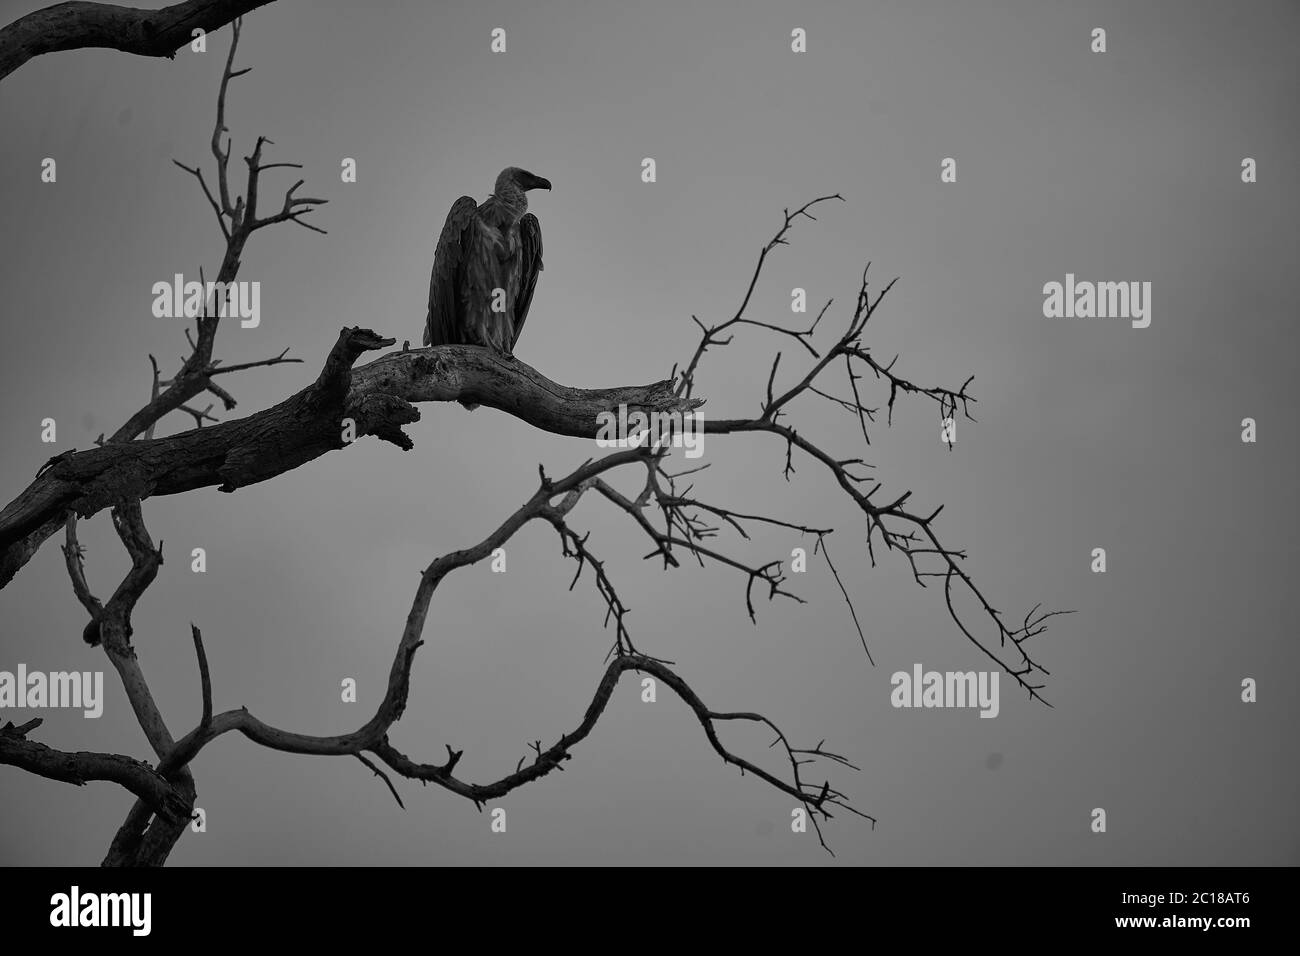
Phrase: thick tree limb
pixel 78 25
pixel 82 767
pixel 377 397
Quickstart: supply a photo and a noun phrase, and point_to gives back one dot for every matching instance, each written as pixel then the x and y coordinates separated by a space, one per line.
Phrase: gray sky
pixel 1122 166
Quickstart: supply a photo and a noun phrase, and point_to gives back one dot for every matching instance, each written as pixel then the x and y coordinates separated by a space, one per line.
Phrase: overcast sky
pixel 1115 166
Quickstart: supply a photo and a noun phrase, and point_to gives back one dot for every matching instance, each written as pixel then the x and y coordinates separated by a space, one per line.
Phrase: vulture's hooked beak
pixel 537 182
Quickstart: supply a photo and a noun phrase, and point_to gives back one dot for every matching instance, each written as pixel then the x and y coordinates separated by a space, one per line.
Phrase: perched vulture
pixel 485 268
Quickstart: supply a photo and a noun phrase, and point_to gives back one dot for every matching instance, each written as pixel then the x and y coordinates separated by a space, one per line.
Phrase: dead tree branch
pixel 378 398
pixel 238 220
pixel 82 767
pixel 80 25
pixel 372 737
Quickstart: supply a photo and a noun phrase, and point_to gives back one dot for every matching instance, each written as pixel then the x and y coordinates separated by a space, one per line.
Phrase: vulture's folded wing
pixel 530 241
pixel 443 325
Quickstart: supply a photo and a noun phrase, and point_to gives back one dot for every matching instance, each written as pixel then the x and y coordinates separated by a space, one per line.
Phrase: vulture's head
pixel 513 178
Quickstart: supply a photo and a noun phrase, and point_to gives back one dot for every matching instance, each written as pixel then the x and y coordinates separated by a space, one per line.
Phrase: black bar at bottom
pixel 367 904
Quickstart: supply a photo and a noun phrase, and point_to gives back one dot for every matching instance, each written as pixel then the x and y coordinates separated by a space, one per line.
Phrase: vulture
pixel 485 268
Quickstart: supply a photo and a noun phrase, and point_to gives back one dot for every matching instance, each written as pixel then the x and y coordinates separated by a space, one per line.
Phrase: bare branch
pixel 819 800
pixel 205 677
pixel 712 333
pixel 238 221
pixel 821 544
pixel 378 398
pixel 277 360
pixel 77 25
pixel 82 767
